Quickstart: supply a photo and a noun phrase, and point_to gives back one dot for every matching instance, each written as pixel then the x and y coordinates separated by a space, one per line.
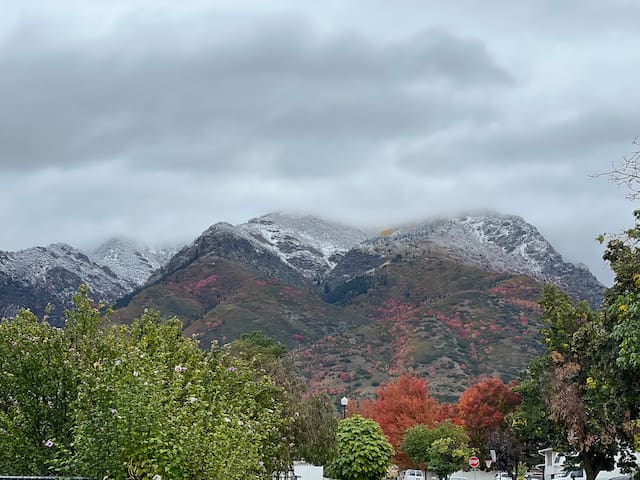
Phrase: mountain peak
pixel 36 277
pixel 505 243
pixel 307 243
pixel 334 235
pixel 129 259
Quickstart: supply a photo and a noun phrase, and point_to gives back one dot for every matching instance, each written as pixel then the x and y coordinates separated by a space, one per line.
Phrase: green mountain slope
pixel 434 317
pixel 219 299
pixel 415 311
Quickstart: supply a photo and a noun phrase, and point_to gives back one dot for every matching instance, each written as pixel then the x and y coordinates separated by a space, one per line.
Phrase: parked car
pixel 413 475
pixel 502 476
pixel 572 475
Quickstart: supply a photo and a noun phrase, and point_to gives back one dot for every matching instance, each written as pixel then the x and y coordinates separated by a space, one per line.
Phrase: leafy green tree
pixel 314 429
pixel 364 453
pixel 256 345
pixel 449 449
pixel 131 402
pixel 531 423
pixel 36 386
pixel 310 432
pixel 266 358
pixel 161 406
pixel 621 321
pixel 571 380
pixel 582 394
pixel 442 450
pixel 415 444
pixel 622 311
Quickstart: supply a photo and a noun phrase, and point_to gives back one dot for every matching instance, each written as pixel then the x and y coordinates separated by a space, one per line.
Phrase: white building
pixel 554 467
pixel 301 471
pixel 306 471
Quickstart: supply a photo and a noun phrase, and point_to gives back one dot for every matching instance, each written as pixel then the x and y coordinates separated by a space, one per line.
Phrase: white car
pixel 572 475
pixel 502 476
pixel 413 475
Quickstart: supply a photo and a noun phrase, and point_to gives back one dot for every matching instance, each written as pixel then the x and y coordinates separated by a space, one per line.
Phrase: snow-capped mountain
pixel 130 260
pixel 293 249
pixel 284 246
pixel 450 299
pixel 502 243
pixel 41 276
pixel 308 244
pixel 329 289
pixel 230 242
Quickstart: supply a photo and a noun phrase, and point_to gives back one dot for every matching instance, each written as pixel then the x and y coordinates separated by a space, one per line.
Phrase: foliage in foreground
pixel 309 433
pixel 442 450
pixel 582 395
pixel 569 379
pixel 399 405
pixel 36 388
pixel 483 409
pixel 364 453
pixel 130 402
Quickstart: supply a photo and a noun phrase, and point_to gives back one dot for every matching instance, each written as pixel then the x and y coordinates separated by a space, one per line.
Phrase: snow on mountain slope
pixel 505 243
pixel 223 240
pixel 283 246
pixel 36 277
pixel 31 266
pixel 129 260
pixel 319 250
pixel 287 247
pixel 306 243
pixel 502 243
pixel 41 276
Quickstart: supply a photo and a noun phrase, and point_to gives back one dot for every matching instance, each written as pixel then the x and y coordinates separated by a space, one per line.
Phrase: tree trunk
pixel 590 471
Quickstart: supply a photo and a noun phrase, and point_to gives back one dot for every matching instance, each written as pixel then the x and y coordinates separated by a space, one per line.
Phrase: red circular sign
pixel 474 462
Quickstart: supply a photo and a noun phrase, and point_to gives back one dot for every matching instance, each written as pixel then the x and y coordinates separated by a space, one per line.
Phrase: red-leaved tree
pixel 448 411
pixel 399 405
pixel 482 408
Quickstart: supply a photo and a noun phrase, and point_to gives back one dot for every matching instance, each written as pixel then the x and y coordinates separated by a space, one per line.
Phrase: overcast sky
pixel 156 119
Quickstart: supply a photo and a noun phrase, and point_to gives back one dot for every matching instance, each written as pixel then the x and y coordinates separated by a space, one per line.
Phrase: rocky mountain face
pixel 283 246
pixel 41 276
pixel 327 252
pixel 449 299
pixel 308 244
pixel 223 240
pixel 499 243
pixel 129 260
pixel 44 279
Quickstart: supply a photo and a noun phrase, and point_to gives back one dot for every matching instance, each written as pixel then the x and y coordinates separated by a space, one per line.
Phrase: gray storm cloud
pixel 208 104
pixel 157 119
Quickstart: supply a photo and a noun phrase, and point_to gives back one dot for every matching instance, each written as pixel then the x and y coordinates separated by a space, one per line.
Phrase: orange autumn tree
pixel 483 407
pixel 449 411
pixel 399 405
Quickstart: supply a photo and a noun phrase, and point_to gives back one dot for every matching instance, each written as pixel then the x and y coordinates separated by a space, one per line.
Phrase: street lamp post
pixel 344 401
